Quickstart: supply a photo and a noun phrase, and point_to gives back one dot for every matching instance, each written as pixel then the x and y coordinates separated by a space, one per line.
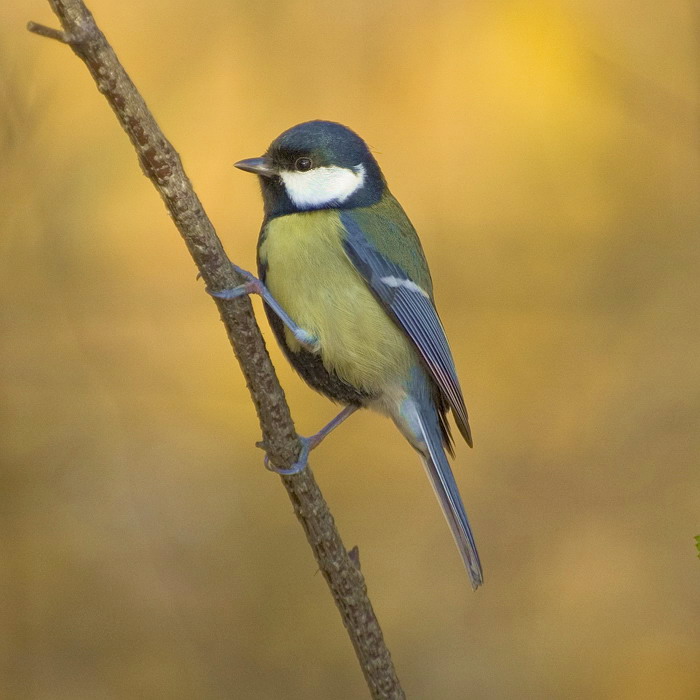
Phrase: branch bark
pixel 162 165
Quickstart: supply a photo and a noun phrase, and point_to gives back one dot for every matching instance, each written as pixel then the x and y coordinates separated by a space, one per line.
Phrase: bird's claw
pixel 307 444
pixel 252 285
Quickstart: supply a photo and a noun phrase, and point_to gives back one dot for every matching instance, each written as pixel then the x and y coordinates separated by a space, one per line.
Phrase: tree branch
pixel 162 165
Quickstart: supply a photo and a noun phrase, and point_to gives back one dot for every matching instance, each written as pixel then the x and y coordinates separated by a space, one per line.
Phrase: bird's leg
pixel 253 285
pixel 308 443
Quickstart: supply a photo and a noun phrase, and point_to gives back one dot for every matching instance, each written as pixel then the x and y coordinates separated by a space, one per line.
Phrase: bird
pixel 349 297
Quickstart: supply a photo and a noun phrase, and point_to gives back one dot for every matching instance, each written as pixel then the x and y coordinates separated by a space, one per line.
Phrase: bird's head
pixel 316 165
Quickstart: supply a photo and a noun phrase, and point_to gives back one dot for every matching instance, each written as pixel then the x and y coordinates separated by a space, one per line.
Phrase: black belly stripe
pixel 310 367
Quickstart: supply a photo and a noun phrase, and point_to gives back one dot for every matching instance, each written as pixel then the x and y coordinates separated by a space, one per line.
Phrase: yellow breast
pixel 312 278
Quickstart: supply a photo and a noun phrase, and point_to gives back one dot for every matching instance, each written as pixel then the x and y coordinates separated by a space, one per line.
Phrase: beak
pixel 260 166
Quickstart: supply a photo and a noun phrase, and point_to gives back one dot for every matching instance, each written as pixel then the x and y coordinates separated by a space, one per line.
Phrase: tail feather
pixel 445 487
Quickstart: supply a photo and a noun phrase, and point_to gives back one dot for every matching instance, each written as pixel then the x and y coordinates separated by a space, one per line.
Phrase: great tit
pixel 350 299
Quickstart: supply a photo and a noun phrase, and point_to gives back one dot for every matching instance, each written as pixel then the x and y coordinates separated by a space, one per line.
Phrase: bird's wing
pixel 412 308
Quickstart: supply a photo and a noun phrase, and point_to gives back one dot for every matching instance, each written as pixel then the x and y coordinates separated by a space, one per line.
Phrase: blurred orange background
pixel 548 155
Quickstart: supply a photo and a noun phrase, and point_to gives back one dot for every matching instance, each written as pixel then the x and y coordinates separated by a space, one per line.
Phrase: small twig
pixel 48 32
pixel 162 165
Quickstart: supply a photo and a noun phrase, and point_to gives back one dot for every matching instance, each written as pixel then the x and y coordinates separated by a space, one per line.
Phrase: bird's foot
pixel 253 285
pixel 308 443
pixel 302 461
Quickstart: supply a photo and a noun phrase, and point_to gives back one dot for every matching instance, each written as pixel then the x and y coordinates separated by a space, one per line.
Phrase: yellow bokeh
pixel 548 154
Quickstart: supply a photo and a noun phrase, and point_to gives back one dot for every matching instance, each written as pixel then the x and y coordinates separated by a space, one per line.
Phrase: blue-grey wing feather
pixel 413 310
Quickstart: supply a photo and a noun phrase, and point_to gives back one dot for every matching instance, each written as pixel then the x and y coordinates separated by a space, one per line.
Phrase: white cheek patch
pixel 407 284
pixel 321 186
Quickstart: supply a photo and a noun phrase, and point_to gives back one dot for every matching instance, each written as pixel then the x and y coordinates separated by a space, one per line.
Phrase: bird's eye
pixel 303 164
